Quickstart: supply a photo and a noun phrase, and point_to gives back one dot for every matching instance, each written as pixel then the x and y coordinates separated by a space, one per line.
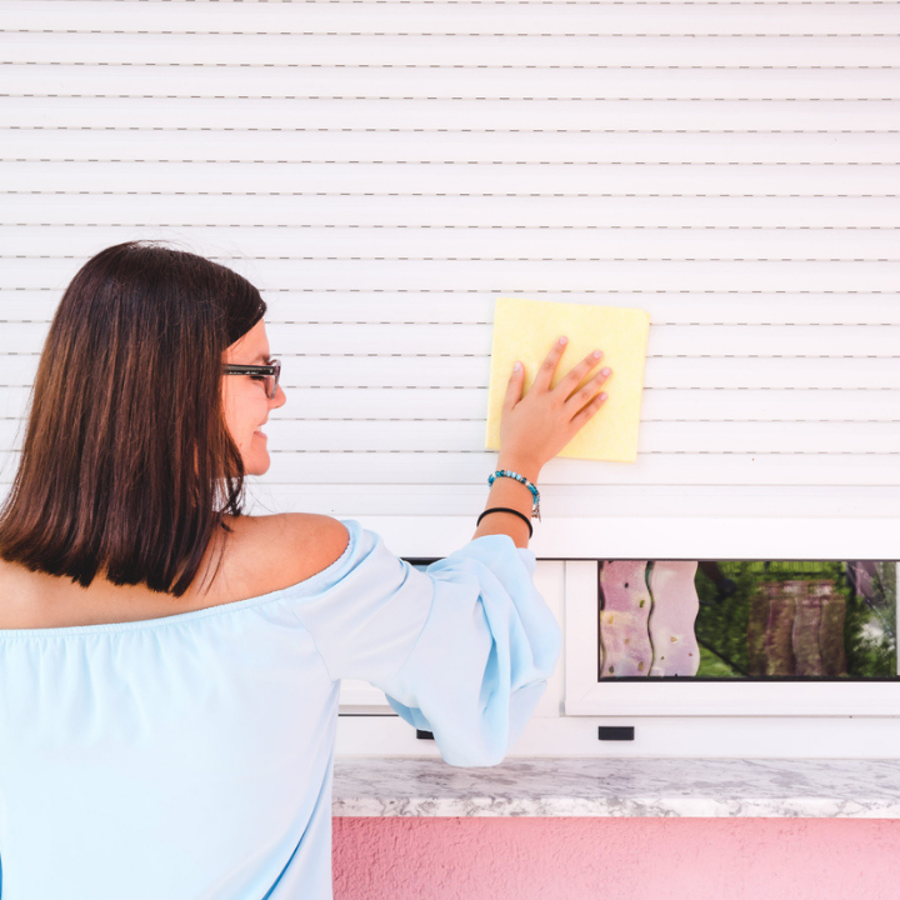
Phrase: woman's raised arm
pixel 533 429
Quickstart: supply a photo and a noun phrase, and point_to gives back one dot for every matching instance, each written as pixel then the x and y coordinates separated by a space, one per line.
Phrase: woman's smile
pixel 244 398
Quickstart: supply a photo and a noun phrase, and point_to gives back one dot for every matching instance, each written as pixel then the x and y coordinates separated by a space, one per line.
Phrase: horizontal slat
pixel 460 179
pixel 658 405
pixel 770 340
pixel 441 212
pixel 386 50
pixel 442 116
pixel 579 500
pixel 473 372
pixel 443 469
pixel 719 341
pixel 464 18
pixel 438 307
pixel 492 244
pixel 349 501
pixel 374 404
pixel 452 148
pixel 451 83
pixel 13 401
pixel 655 437
pixel 500 115
pixel 772 373
pixel 770 437
pixel 518 278
pixel 477 308
pixel 447 468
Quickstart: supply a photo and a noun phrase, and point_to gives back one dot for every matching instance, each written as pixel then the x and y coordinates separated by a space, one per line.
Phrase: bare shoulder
pixel 324 539
pixel 261 554
pixel 272 552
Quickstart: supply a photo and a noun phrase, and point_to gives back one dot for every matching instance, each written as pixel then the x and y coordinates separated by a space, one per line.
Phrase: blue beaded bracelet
pixel 505 473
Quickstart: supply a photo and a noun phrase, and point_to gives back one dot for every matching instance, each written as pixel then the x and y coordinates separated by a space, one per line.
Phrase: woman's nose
pixel 279 399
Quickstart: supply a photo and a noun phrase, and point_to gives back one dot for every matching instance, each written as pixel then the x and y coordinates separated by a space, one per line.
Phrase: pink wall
pixel 616 859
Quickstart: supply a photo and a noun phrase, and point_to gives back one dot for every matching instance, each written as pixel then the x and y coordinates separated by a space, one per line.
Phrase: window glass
pixel 753 620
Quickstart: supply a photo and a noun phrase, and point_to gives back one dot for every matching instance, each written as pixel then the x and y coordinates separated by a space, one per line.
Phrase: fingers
pixel 579 398
pixel 576 374
pixel 581 419
pixel 514 386
pixel 548 367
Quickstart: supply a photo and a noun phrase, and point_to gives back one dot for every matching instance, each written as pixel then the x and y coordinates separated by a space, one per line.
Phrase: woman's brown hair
pixel 127 467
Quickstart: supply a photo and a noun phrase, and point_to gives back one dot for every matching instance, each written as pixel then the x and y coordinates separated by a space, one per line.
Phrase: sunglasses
pixel 268 375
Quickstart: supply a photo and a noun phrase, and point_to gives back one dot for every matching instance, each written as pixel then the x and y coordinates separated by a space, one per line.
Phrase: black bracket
pixel 615 733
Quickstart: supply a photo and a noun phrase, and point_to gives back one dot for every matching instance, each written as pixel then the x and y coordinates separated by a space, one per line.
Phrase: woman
pixel 169 668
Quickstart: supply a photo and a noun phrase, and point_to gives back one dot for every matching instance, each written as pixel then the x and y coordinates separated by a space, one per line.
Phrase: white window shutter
pixel 384 171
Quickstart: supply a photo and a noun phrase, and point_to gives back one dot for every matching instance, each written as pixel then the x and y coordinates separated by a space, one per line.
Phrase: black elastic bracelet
pixel 505 509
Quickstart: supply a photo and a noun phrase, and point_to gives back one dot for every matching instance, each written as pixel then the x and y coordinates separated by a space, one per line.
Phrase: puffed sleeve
pixel 462 649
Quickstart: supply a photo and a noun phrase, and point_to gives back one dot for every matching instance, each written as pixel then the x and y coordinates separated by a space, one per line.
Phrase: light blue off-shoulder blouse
pixel 191 756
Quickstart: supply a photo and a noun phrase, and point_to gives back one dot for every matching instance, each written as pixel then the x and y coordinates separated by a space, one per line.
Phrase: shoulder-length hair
pixel 127 467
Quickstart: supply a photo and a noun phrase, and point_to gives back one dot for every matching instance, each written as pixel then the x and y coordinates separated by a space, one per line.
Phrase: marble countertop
pixel 620 787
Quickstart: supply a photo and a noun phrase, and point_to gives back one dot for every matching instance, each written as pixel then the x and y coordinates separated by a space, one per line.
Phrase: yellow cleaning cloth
pixel 526 330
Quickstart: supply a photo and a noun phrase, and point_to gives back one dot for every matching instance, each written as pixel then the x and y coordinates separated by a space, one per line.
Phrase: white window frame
pixel 723 539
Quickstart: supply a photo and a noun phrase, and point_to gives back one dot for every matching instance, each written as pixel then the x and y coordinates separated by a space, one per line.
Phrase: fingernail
pixel 598 354
pixel 603 396
pixel 517 366
pixel 564 340
pixel 606 372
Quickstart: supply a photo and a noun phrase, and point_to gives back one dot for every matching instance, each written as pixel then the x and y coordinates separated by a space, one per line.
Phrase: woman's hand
pixel 534 428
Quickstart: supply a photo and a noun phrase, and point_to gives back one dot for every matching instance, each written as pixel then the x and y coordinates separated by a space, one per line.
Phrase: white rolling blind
pixel 383 171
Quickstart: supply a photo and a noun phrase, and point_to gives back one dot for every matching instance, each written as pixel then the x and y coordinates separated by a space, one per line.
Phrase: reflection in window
pixel 748 619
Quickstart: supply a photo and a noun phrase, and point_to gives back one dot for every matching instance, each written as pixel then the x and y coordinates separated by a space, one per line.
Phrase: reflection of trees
pixel 796 627
pixel 733 668
pixel 871 627
pixel 804 619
